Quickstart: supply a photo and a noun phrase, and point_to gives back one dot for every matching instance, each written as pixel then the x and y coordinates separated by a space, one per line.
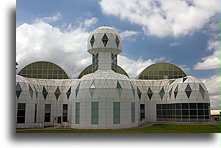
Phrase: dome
pixel 104 39
pixel 43 70
pixel 161 71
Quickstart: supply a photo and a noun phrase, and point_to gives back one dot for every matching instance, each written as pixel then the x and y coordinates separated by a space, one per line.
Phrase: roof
pixel 43 70
pixel 88 70
pixel 161 71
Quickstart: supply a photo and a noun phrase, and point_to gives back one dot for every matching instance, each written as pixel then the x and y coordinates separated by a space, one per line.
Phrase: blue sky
pixel 184 33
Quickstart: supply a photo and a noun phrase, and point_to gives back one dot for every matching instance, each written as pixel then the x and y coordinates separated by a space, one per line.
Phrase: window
pixel 105 40
pixel 132 112
pixel 65 112
pixel 176 91
pixel 35 117
pixel 117 41
pixel 92 40
pixel 188 90
pixel 149 93
pixel 202 91
pixel 77 112
pixel 77 89
pixel 44 92
pixel 92 88
pixel 162 93
pixel 94 62
pixel 94 112
pixel 68 93
pixel 57 93
pixel 119 88
pixel 18 90
pixel 114 62
pixel 31 91
pixel 47 112
pixel 139 93
pixel 116 112
pixel 142 112
pixel 21 113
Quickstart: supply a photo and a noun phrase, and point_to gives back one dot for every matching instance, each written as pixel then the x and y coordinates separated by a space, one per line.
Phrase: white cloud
pixel 212 61
pixel 42 41
pixel 90 22
pixel 161 17
pixel 53 18
pixel 133 67
pixel 173 44
pixel 128 33
pixel 213 87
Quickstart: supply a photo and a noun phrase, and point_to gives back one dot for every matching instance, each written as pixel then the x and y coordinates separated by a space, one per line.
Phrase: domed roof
pixel 104 39
pixel 161 71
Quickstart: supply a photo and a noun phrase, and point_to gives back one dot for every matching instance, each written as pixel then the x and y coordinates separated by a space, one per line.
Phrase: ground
pixel 154 128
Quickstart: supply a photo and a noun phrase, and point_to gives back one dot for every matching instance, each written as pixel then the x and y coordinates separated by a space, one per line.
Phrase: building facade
pixel 103 96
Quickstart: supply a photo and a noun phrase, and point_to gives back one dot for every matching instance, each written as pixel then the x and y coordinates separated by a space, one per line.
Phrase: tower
pixel 104 44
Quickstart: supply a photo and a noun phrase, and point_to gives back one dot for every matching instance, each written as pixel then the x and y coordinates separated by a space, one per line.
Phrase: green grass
pixel 157 128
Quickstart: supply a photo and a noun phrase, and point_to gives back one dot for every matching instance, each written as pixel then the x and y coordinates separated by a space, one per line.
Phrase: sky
pixel 181 32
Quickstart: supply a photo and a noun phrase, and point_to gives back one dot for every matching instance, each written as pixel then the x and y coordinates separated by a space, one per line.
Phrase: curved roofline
pixel 87 68
pixel 138 77
pixel 43 61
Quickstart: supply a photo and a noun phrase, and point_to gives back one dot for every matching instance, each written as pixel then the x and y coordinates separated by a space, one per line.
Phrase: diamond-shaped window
pixel 105 40
pixel 57 93
pixel 162 92
pixel 44 92
pixel 176 91
pixel 149 93
pixel 202 91
pixel 77 90
pixel 92 40
pixel 170 92
pixel 31 91
pixel 139 93
pixel 92 88
pixel 188 90
pixel 184 79
pixel 68 93
pixel 18 90
pixel 117 41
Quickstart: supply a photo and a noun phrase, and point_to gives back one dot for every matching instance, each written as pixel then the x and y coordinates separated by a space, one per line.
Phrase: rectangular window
pixel 142 112
pixel 94 112
pixel 116 112
pixel 65 112
pixel 132 112
pixel 47 112
pixel 35 118
pixel 21 113
pixel 77 113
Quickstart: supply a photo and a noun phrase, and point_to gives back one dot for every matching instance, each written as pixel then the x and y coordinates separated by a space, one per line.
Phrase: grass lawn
pixel 156 128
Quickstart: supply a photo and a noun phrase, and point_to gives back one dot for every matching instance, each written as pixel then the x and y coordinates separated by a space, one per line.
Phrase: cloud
pixel 53 18
pixel 212 61
pixel 42 41
pixel 163 18
pixel 128 33
pixel 213 87
pixel 89 22
pixel 133 67
pixel 173 44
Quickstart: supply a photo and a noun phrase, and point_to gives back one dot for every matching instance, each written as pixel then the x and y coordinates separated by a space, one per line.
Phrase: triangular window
pixel 202 91
pixel 77 90
pixel 176 91
pixel 68 93
pixel 31 91
pixel 117 41
pixel 139 93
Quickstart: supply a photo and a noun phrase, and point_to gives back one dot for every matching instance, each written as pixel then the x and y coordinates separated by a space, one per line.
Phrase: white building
pixel 104 97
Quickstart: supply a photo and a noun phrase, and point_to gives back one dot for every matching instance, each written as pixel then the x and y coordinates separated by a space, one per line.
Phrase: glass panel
pixel 116 112
pixel 94 112
pixel 77 113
